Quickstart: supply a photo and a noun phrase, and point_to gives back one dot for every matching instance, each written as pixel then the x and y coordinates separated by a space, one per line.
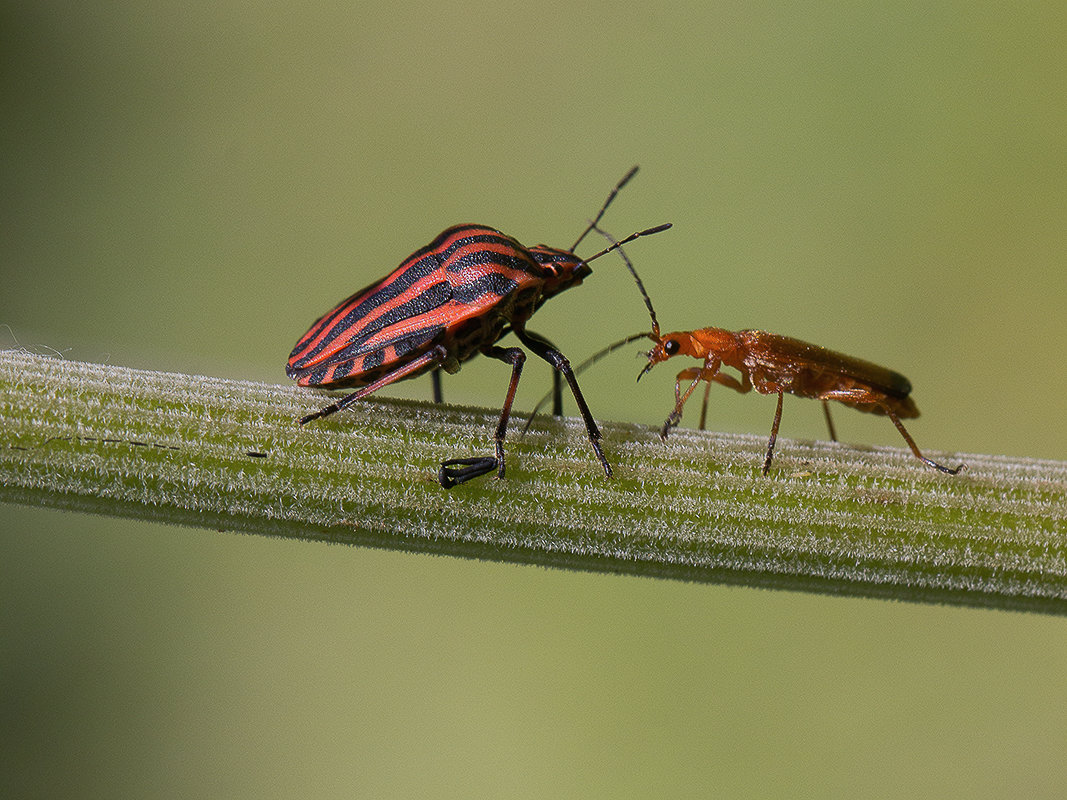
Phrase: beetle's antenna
pixel 603 208
pixel 630 266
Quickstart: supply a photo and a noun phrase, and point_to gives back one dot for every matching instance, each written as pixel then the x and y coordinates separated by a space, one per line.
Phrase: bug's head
pixel 563 269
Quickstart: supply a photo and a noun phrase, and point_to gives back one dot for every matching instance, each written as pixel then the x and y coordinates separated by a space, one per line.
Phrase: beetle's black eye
pixel 671 347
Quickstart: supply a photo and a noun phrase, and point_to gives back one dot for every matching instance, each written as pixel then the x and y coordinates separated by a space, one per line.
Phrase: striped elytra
pixel 445 303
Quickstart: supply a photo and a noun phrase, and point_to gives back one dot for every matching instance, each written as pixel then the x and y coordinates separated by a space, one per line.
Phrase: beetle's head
pixel 667 346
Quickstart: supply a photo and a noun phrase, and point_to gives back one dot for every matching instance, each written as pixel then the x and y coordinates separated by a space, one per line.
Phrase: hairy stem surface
pixel 832 518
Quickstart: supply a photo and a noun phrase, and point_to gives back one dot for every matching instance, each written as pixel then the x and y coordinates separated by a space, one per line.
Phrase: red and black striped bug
pixel 448 301
pixel 774 364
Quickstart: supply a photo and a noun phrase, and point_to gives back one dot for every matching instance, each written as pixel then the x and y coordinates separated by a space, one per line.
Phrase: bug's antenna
pixel 630 266
pixel 603 208
pixel 627 240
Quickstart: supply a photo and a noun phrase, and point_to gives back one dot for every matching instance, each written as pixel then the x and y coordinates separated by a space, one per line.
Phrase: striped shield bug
pixel 772 364
pixel 448 301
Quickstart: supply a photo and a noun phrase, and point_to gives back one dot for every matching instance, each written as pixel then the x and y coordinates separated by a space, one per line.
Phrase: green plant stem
pixel 832 518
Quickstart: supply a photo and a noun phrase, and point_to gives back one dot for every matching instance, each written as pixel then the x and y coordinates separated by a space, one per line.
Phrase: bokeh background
pixel 185 186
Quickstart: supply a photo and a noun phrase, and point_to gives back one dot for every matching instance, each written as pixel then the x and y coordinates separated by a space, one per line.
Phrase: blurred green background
pixel 187 185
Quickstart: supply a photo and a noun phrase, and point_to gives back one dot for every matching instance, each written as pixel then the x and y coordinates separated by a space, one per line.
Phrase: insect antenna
pixel 627 240
pixel 630 266
pixel 603 208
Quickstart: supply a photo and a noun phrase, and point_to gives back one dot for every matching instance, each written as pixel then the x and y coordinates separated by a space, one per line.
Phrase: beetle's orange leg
pixel 911 443
pixel 860 396
pixel 829 421
pixel 774 434
pixel 850 396
pixel 847 396
pixel 676 415
pixel 695 374
pixel 691 374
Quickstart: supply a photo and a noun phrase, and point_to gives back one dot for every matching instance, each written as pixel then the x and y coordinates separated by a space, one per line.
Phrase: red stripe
pixel 339 339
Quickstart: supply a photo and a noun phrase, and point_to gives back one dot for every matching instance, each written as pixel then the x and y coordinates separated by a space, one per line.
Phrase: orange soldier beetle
pixel 774 364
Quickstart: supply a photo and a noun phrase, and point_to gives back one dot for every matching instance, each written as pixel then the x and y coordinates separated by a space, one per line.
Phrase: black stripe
pixel 415 341
pixel 385 293
pixel 486 256
pixel 494 282
pixel 481 258
pixel 372 360
pixel 403 345
pixel 434 297
pixel 366 364
pixel 318 374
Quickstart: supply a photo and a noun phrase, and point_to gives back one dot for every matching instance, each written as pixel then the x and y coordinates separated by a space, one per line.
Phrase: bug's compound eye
pixel 671 347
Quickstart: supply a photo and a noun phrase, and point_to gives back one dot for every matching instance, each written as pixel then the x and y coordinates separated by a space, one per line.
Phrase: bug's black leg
pixel 468 468
pixel 557 384
pixel 475 467
pixel 557 381
pixel 563 366
pixel 774 435
pixel 516 357
pixel 915 448
pixel 437 354
pixel 435 379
